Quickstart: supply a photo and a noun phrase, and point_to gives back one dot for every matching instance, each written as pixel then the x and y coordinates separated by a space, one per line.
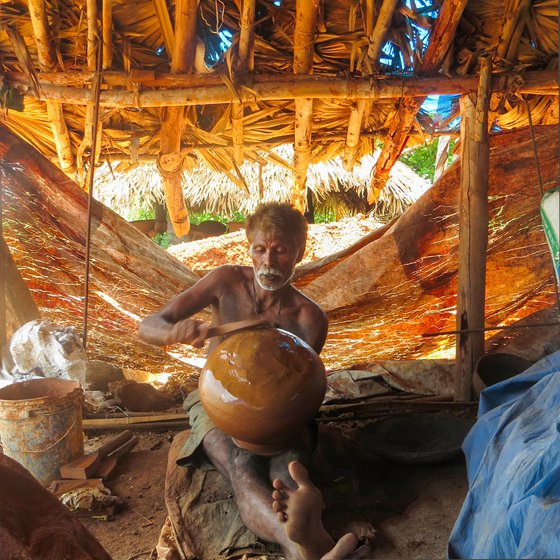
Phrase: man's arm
pixel 172 323
pixel 314 324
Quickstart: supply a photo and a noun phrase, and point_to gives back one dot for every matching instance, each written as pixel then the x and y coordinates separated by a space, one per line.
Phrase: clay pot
pixel 262 387
pixel 493 368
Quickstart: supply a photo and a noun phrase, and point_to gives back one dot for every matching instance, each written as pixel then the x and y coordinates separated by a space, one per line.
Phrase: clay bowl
pixel 493 368
pixel 415 438
pixel 262 387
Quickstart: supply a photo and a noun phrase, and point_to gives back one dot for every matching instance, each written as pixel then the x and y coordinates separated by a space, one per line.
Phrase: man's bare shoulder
pixel 231 273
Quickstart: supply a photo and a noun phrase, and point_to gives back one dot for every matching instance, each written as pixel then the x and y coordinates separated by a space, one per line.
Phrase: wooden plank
pixel 473 233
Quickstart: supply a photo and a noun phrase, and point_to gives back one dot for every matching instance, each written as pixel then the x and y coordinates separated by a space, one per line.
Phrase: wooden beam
pixel 441 38
pixel 172 119
pixel 376 41
pixel 244 64
pixel 473 232
pixel 47 62
pixel 107 15
pixel 266 87
pixel 304 46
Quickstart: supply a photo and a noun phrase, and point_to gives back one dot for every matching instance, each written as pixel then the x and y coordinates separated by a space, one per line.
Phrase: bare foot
pixel 347 548
pixel 300 510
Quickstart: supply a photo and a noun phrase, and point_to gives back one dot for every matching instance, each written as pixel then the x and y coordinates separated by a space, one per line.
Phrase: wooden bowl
pixel 262 387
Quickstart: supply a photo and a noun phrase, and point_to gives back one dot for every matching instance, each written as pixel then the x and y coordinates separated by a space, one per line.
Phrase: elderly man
pixel 277 235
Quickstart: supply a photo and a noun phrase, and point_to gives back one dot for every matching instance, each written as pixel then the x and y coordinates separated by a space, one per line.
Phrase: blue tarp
pixel 512 508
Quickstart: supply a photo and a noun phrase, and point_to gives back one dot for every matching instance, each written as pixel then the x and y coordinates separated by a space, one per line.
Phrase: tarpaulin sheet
pixel 512 508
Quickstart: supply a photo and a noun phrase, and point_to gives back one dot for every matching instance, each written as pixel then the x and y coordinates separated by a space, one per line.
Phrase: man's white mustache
pixel 270 272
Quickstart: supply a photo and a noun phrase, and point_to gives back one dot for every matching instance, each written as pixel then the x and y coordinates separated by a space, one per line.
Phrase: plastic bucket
pixel 41 425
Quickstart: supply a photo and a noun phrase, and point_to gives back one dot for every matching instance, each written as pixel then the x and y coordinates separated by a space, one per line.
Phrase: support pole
pixel 473 232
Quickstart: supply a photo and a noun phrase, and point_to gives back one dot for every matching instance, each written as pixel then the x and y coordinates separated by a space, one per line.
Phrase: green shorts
pixel 192 453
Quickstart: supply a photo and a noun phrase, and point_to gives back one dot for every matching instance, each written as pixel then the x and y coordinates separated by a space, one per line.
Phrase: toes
pixel 299 473
pixel 278 484
pixel 282 517
pixel 278 506
pixel 344 548
pixel 277 495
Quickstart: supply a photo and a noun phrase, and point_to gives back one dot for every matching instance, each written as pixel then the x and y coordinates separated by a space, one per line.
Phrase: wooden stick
pixel 486 329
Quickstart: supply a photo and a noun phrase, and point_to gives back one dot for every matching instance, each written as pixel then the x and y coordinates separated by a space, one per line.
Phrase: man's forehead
pixel 271 237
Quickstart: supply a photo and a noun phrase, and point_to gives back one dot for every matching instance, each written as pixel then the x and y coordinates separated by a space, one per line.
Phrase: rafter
pixel 266 87
pixel 440 41
pixel 171 161
pixel 376 41
pixel 47 62
pixel 244 65
pixel 304 43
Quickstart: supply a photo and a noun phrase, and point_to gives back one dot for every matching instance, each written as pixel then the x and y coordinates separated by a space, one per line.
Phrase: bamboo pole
pixel 304 45
pixel 441 39
pixel 107 15
pixel 244 64
pixel 275 88
pixel 171 161
pixel 539 82
pixel 93 38
pixel 473 233
pixel 47 62
pixel 363 107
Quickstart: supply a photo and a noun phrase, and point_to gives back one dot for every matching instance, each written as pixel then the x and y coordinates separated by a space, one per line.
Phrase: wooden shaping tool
pixel 107 464
pixel 236 326
pixel 83 467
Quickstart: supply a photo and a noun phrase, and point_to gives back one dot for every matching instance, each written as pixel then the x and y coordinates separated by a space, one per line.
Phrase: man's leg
pixel 249 477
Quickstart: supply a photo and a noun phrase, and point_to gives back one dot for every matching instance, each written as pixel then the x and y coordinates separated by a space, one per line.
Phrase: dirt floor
pixel 412 507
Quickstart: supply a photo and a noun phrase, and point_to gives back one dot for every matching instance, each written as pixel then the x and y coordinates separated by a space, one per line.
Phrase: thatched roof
pixel 122 187
pixel 227 82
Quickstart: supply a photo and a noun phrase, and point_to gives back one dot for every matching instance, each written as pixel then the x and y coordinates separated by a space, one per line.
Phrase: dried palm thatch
pixel 270 179
pixel 367 57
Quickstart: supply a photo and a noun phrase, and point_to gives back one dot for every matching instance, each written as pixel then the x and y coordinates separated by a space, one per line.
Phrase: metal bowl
pixel 415 437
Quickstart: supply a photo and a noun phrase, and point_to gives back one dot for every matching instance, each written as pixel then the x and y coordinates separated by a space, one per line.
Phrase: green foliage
pixel 197 217
pixel 139 212
pixel 422 159
pixel 162 239
pixel 324 216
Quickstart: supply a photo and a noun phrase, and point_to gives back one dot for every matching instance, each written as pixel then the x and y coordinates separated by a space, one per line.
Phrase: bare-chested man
pixel 277 235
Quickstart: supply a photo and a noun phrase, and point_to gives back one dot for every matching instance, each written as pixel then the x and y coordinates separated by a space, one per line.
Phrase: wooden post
pixel 473 232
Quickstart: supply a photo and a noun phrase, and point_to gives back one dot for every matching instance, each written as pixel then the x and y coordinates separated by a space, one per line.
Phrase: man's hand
pixel 190 331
